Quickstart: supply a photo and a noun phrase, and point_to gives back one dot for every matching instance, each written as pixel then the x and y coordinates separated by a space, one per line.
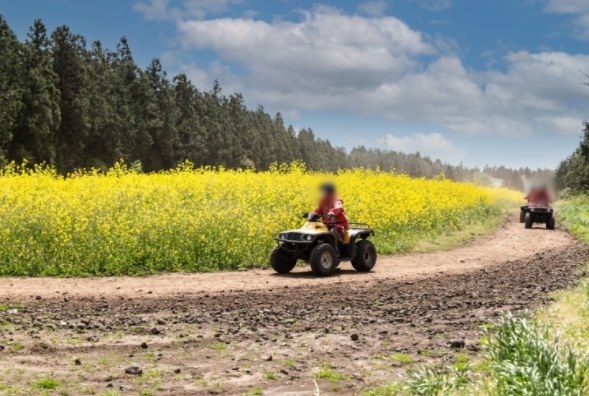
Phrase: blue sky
pixel 473 81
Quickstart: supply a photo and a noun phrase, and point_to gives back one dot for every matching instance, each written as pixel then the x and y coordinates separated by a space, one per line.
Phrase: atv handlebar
pixel 311 216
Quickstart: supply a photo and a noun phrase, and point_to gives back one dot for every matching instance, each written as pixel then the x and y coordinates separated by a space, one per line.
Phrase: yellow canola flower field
pixel 196 220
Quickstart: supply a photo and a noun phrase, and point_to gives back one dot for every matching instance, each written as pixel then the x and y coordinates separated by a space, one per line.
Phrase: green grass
pixel 526 357
pixel 4 307
pixel 328 373
pixel 270 375
pixel 453 239
pixel 255 391
pixel 218 346
pixel 47 383
pixel 402 358
pixel 574 214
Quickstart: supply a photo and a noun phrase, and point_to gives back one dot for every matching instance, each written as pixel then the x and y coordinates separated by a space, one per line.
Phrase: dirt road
pixel 252 332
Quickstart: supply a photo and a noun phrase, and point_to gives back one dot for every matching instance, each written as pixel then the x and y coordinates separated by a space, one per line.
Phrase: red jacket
pixel 331 210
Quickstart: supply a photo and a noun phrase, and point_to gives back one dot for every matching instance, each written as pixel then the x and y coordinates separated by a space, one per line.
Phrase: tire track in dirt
pixel 347 332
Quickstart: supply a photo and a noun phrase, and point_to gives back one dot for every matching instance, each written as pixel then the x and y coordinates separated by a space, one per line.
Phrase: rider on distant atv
pixel 539 196
pixel 332 212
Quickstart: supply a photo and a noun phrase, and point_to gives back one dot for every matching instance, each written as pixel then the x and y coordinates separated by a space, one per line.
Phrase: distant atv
pixel 314 244
pixel 537 212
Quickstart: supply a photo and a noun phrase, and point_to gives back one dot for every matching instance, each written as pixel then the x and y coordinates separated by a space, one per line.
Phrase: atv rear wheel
pixel 528 220
pixel 282 261
pixel 551 223
pixel 365 256
pixel 522 216
pixel 323 260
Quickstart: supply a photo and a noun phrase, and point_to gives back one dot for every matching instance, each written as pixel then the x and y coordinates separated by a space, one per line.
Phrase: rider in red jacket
pixel 331 210
pixel 539 195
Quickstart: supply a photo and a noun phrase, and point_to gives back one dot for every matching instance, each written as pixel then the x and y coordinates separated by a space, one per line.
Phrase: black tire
pixel 522 216
pixel 282 261
pixel 551 223
pixel 323 260
pixel 528 220
pixel 365 258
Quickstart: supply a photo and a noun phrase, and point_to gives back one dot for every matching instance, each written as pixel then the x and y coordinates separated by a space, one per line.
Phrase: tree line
pixel 573 172
pixel 73 105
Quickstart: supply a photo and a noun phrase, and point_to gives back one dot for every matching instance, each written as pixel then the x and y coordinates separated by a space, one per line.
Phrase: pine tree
pixel 39 118
pixel 11 86
pixel 103 143
pixel 192 137
pixel 161 122
pixel 68 63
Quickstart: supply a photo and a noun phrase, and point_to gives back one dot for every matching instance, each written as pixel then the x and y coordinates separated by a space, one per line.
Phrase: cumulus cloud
pixel 374 7
pixel 434 145
pixel 578 9
pixel 326 50
pixel 181 9
pixel 329 60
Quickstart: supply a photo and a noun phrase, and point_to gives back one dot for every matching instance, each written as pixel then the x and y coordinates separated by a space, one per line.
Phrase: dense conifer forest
pixel 75 105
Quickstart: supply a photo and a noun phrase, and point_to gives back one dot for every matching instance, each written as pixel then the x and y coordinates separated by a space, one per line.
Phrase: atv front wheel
pixel 282 261
pixel 365 256
pixel 529 220
pixel 522 216
pixel 323 260
pixel 551 223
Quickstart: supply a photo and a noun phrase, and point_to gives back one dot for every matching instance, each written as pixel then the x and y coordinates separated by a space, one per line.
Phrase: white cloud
pixel 434 145
pixel 152 9
pixel 329 60
pixel 374 7
pixel 181 9
pixel 579 9
pixel 326 49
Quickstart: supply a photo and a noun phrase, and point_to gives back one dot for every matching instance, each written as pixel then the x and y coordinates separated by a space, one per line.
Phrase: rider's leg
pixel 337 238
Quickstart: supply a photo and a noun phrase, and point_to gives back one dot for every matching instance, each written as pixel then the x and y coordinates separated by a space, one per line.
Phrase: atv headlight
pixel 308 237
pixel 282 236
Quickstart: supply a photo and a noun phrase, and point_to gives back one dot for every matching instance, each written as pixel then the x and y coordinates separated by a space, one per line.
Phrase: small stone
pixel 355 337
pixel 1 348
pixel 77 362
pixel 177 371
pixel 155 331
pixel 456 344
pixel 268 358
pixel 161 322
pixel 134 370
pixel 38 298
pixel 144 345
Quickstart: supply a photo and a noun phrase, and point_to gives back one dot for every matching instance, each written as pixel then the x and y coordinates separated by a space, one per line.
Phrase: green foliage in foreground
pixel 527 360
pixel 522 357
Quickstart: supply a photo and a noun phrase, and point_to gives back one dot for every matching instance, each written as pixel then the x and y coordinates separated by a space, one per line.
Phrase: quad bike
pixel 315 244
pixel 537 212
